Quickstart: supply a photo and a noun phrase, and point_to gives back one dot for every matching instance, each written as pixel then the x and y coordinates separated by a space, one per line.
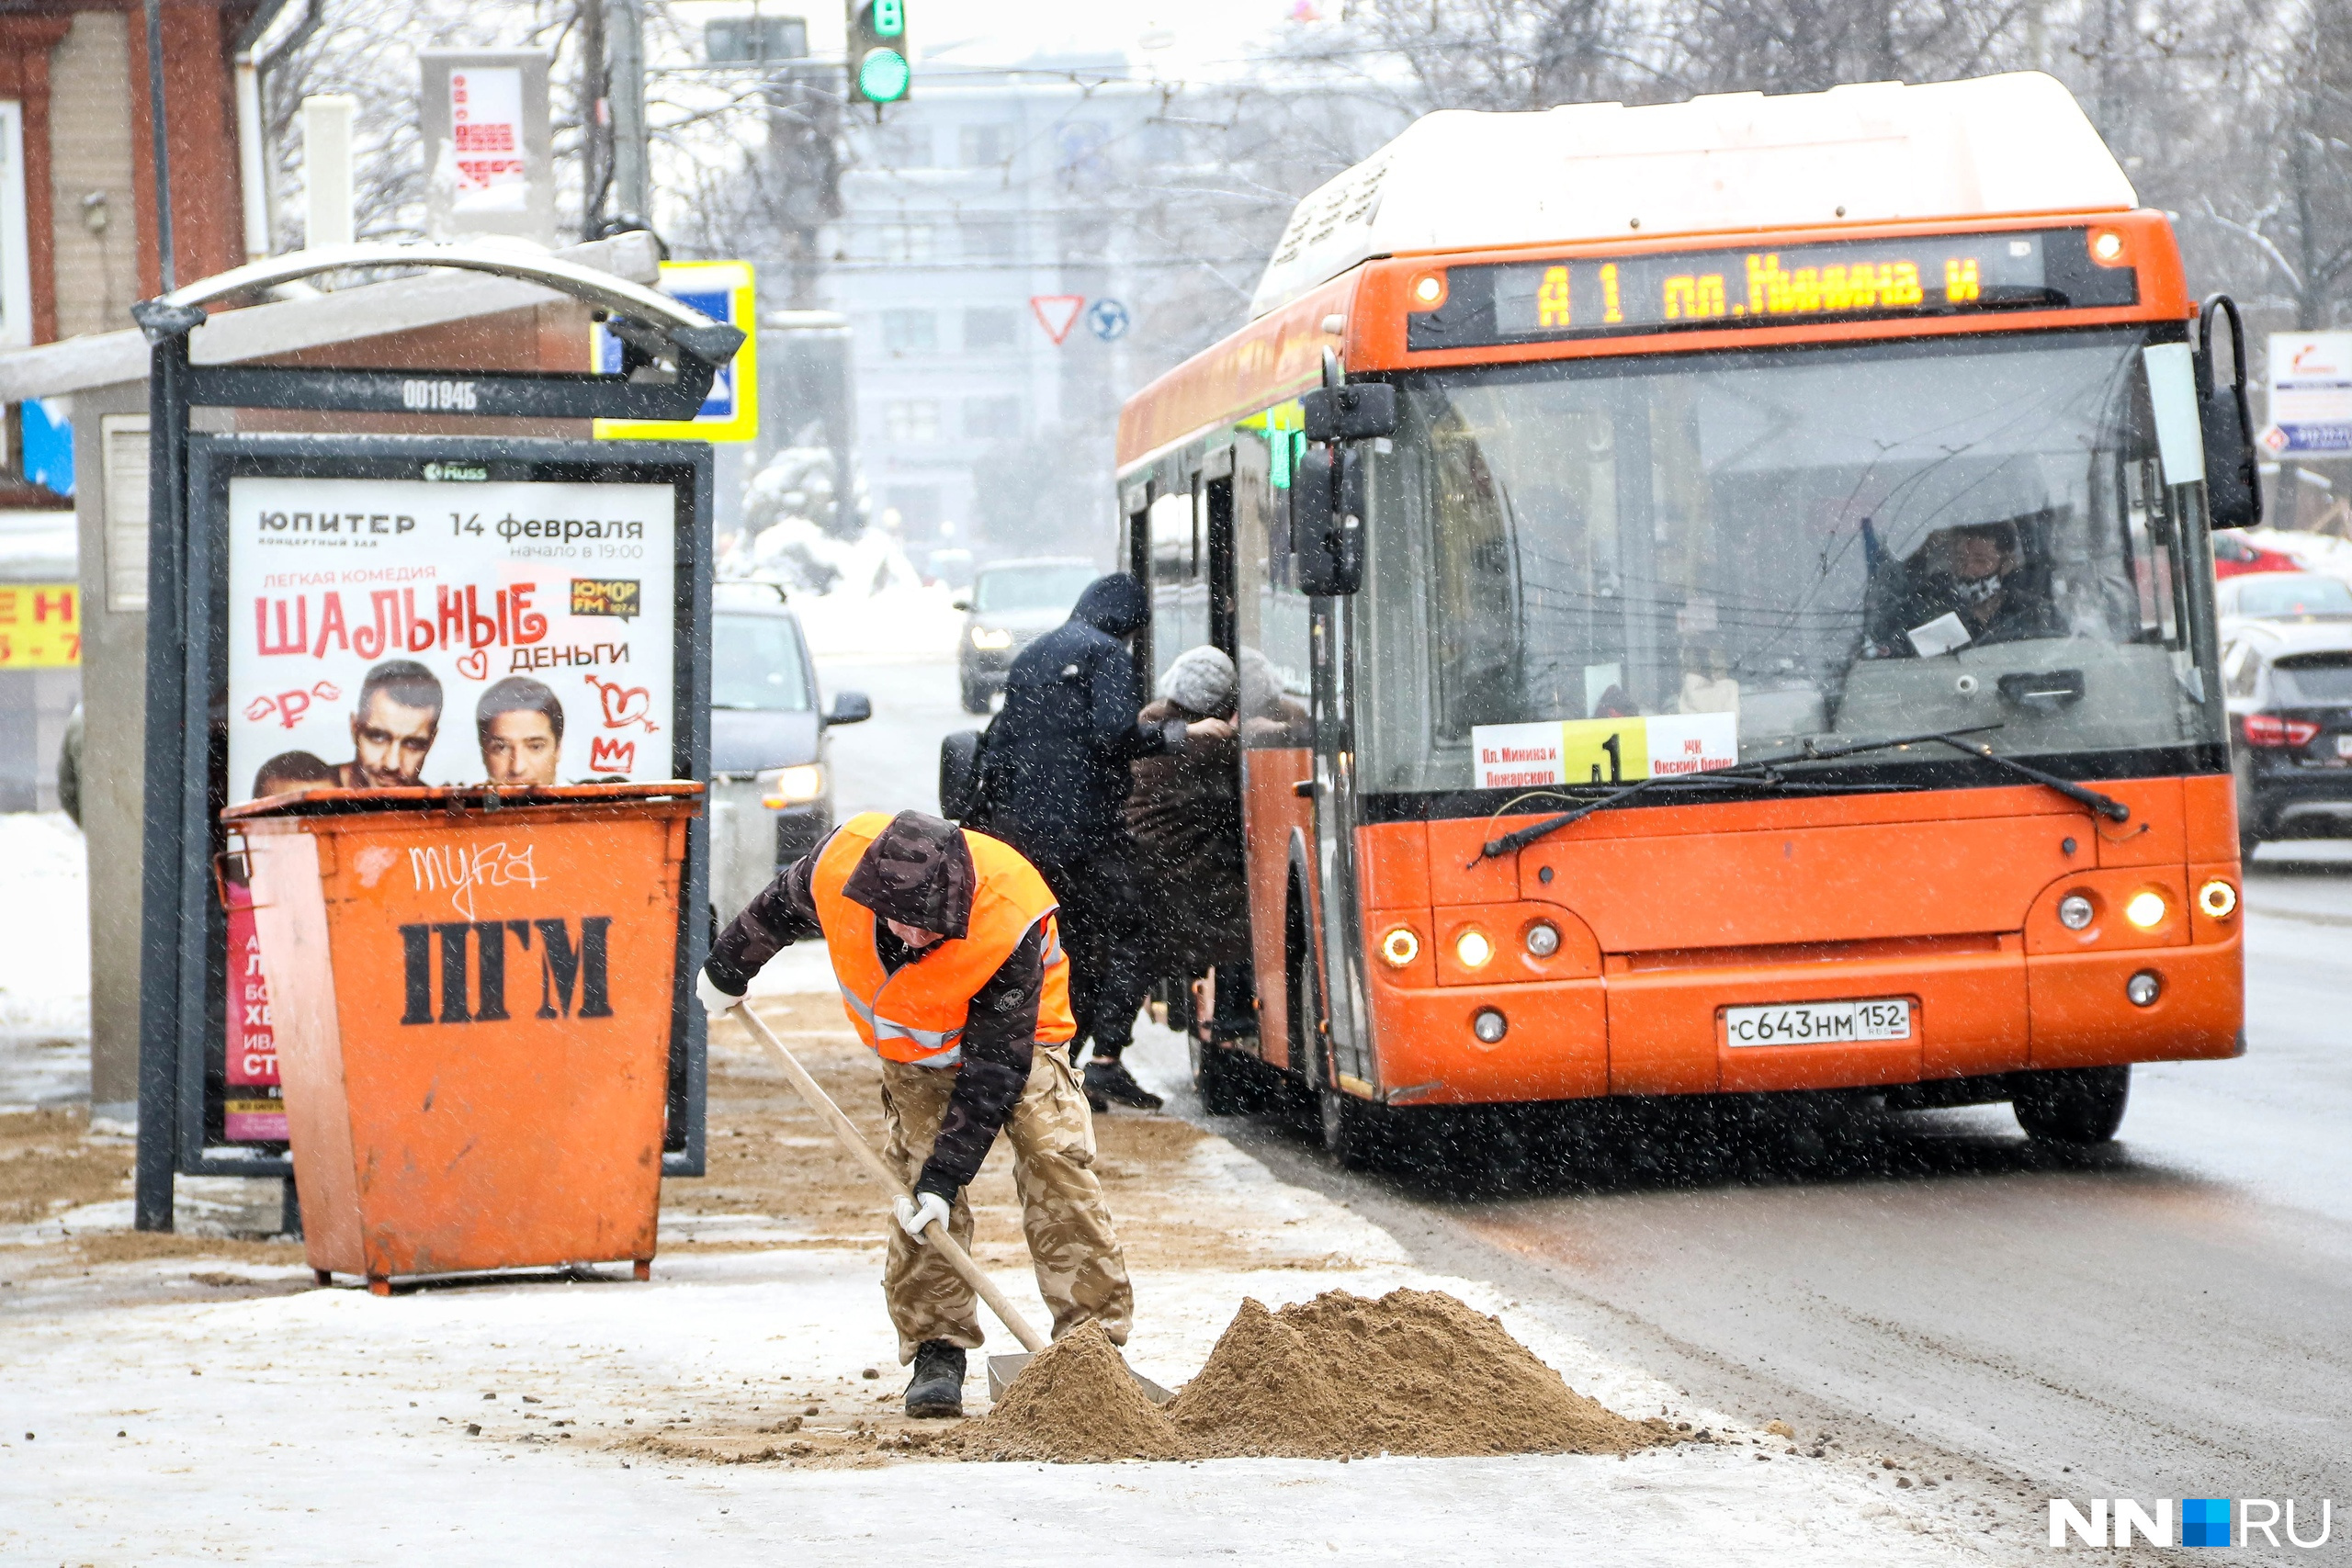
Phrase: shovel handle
pixel 935 1234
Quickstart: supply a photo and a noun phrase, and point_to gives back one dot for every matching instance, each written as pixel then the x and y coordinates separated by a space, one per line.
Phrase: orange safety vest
pixel 917 1014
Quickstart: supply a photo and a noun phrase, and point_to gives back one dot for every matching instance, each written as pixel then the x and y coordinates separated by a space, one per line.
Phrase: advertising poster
pixel 486 129
pixel 386 633
pixel 40 626
pixel 2310 393
pixel 252 1110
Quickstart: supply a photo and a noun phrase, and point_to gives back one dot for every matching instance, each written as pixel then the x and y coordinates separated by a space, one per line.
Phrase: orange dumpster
pixel 472 993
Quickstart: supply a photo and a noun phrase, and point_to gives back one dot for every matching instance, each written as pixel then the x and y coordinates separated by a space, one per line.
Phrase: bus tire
pixel 1346 1124
pixel 2072 1105
pixel 1222 1079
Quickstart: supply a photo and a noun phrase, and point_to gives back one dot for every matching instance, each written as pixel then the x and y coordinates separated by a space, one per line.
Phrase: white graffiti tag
pixel 461 871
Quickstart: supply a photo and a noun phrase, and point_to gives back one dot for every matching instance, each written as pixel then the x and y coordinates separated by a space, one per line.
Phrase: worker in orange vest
pixel 946 945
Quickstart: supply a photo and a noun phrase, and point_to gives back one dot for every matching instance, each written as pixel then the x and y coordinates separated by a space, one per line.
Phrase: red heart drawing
pixel 475 666
pixel 624 705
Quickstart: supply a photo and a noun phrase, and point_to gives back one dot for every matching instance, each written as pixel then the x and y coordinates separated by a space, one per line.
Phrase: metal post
pixel 289 1213
pixel 625 36
pixel 166 262
pixel 160 894
pixel 596 123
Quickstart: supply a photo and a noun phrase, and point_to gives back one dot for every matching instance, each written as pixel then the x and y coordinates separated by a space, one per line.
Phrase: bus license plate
pixel 1820 1023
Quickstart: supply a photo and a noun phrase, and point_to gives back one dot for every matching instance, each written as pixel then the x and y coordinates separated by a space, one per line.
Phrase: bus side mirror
pixel 1327 499
pixel 2233 488
pixel 1362 411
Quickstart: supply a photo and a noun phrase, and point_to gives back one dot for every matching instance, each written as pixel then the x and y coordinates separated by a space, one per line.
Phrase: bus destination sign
pixel 1537 301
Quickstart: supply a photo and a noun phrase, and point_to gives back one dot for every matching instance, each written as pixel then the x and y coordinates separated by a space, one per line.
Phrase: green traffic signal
pixel 883 75
pixel 889 18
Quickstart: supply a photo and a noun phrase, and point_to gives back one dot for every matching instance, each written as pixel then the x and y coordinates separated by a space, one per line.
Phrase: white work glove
pixel 714 1000
pixel 917 1212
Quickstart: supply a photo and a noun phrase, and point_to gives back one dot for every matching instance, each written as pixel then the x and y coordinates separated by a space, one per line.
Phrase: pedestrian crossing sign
pixel 725 291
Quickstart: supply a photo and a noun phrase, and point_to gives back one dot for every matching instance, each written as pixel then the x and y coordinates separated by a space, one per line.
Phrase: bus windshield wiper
pixel 1764 772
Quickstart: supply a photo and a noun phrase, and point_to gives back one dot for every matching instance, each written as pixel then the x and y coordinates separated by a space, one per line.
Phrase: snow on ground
pixel 180 1409
pixel 44 960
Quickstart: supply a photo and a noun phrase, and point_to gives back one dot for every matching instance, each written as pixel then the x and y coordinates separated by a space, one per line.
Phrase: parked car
pixel 2235 556
pixel 2289 688
pixel 1010 604
pixel 770 779
pixel 2280 595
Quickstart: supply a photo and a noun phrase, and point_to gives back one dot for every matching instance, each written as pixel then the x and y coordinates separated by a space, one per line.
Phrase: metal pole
pixel 161 937
pixel 167 264
pixel 625 36
pixel 596 121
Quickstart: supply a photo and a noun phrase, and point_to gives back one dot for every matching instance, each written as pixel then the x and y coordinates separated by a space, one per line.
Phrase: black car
pixel 771 782
pixel 2288 686
pixel 1011 603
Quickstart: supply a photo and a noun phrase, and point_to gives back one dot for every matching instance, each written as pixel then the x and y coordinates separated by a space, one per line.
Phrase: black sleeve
pixel 783 912
pixel 1117 709
pixel 1000 1042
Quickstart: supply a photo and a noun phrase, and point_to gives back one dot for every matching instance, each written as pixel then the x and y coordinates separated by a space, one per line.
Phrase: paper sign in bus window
pixel 1602 751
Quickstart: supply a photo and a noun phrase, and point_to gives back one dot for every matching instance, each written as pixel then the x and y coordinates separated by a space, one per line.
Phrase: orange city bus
pixel 1759 636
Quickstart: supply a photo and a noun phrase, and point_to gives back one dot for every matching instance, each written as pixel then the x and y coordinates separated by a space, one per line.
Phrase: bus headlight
pixel 780 787
pixel 1400 947
pixel 2144 988
pixel 992 639
pixel 1473 948
pixel 2145 909
pixel 1489 1026
pixel 1543 938
pixel 2218 899
pixel 2075 911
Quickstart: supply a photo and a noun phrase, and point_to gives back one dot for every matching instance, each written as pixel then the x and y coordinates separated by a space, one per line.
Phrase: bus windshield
pixel 1833 543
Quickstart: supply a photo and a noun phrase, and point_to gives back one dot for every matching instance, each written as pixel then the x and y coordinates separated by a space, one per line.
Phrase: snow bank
pixel 44 930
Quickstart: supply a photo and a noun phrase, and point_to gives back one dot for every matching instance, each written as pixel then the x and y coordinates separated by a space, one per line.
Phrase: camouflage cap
pixel 918 871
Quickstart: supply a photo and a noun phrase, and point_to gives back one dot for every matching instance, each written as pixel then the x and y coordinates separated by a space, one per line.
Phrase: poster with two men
pixel 396 633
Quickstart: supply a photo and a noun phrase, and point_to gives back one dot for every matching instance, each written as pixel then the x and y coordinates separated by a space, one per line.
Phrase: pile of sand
pixel 1414 1372
pixel 1075 1403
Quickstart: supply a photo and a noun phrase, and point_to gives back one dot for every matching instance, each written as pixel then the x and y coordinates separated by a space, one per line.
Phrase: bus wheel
pixel 2072 1105
pixel 1223 1080
pixel 1347 1125
pixel 1350 1129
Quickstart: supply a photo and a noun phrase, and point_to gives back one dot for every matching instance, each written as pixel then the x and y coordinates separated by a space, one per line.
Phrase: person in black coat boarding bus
pixel 1057 776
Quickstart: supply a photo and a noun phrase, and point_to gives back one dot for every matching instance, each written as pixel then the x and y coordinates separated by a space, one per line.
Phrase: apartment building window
pixel 905 242
pixel 910 419
pixel 988 418
pixel 992 240
pixel 910 331
pixel 987 327
pixel 984 146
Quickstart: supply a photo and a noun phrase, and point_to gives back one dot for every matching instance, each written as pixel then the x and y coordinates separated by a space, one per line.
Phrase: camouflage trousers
pixel 1081 1273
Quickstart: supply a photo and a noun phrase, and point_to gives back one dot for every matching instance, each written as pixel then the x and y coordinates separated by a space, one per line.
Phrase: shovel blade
pixel 1002 1369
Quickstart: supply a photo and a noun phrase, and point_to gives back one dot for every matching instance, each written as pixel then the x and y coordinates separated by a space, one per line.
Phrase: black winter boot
pixel 1111 1081
pixel 937 1387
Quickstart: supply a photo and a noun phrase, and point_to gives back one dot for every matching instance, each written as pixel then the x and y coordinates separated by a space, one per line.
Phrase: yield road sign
pixel 1056 313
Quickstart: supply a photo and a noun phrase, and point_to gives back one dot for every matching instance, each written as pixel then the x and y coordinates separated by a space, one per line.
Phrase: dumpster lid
pixel 324 801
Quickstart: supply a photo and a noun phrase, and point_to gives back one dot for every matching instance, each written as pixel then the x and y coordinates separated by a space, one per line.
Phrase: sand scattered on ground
pixel 1075 1403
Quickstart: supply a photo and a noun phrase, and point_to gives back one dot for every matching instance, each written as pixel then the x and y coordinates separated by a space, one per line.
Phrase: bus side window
pixel 1179 593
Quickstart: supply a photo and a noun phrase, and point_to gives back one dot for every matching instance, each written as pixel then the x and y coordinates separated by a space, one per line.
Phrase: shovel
pixel 1002 1369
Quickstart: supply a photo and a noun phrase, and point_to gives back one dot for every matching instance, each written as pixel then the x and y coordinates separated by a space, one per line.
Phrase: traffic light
pixel 879 72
